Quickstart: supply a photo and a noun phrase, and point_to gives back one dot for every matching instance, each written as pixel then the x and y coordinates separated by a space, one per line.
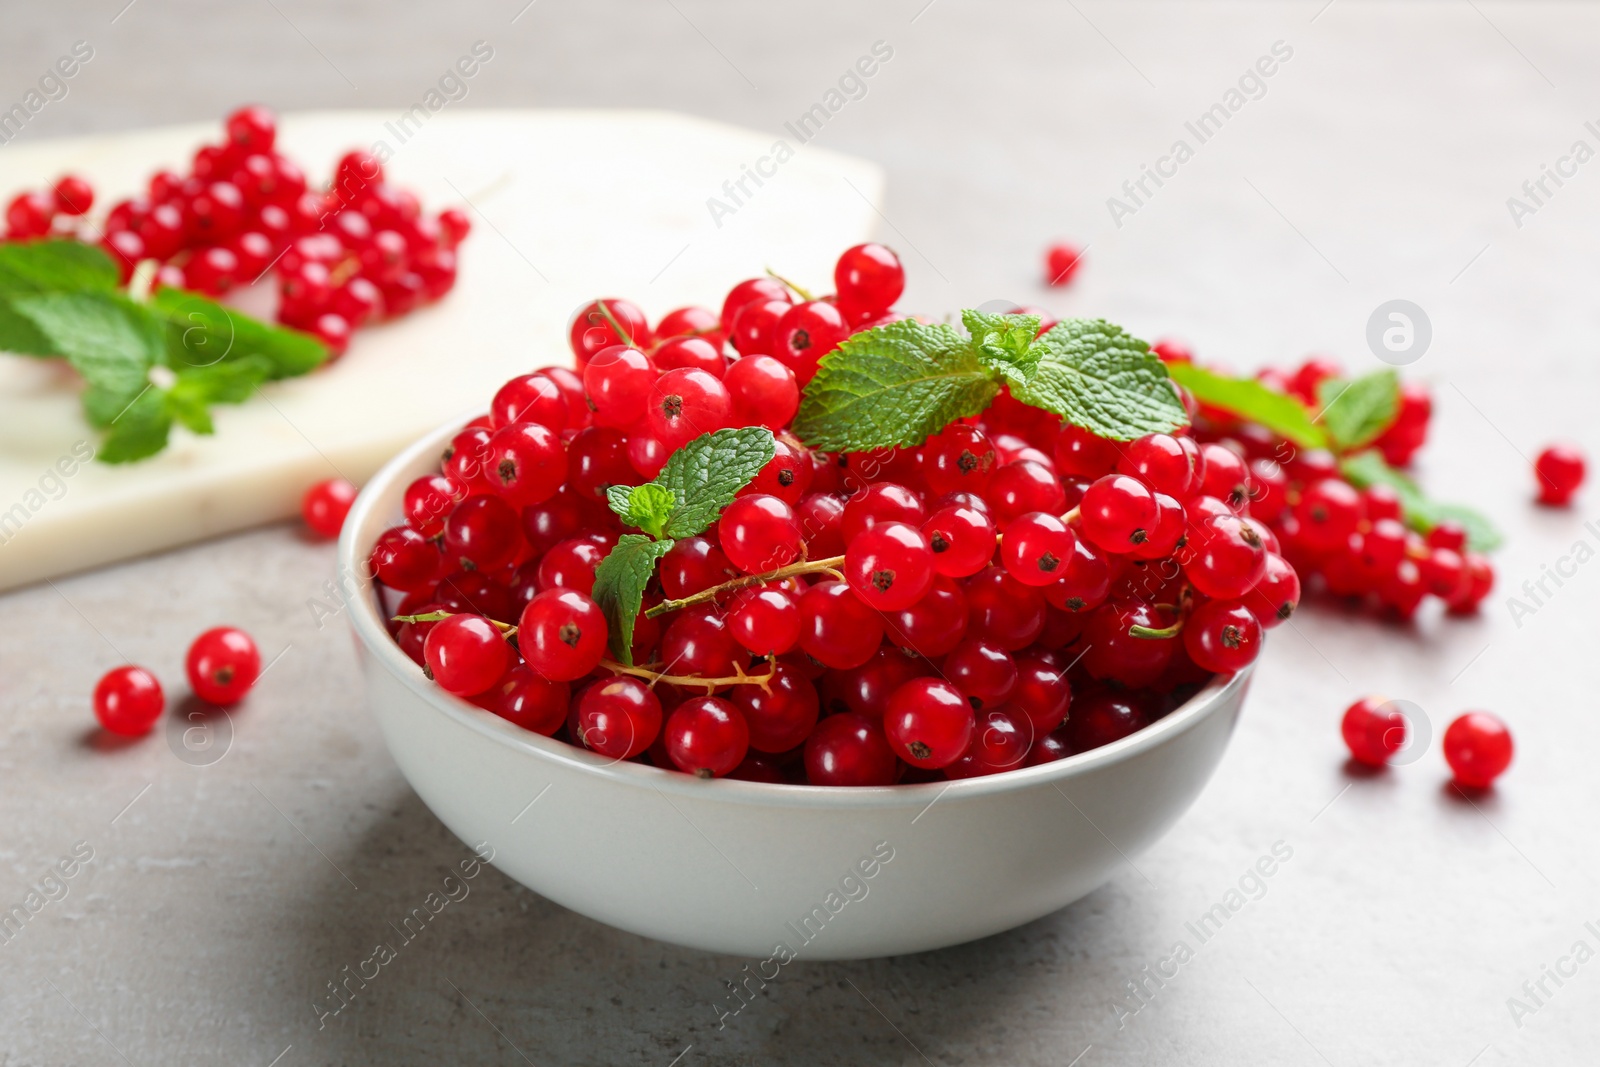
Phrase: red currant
pixel 562 635
pixel 1328 512
pixel 755 327
pixel 1081 454
pixel 1224 557
pixel 781 714
pixel 404 559
pixel 1003 610
pixel 850 750
pixel 466 654
pixel 765 620
pixel 1043 692
pixel 881 502
pixel 222 664
pixel 72 195
pixel 837 628
pixel 530 398
pixel 1117 513
pixel 692 565
pixel 522 697
pixel 962 539
pixel 1037 548
pixel 326 504
pixel 128 701
pixel 684 404
pixel 483 533
pixel 746 292
pixel 706 737
pixel 1023 486
pixel 592 332
pixel 687 322
pixel 1103 717
pixel 1373 730
pixel 890 566
pixel 763 391
pixel 1061 263
pixel 928 723
pixel 984 672
pixel 618 380
pixel 1478 748
pixel 933 625
pixel 618 717
pixel 805 334
pixel 1276 593
pixel 698 642
pixel 869 279
pixel 528 463
pixel 1560 469
pixel 1222 636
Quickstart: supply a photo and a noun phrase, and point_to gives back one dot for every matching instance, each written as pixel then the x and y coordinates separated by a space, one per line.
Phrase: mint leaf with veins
pixel 619 584
pixel 707 473
pixel 1095 375
pixel 893 385
pixel 1420 513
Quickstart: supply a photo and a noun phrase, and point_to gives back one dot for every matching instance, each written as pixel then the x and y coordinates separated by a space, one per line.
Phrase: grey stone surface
pixel 222 898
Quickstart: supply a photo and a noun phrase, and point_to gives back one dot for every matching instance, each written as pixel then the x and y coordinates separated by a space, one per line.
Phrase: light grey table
pixel 1375 164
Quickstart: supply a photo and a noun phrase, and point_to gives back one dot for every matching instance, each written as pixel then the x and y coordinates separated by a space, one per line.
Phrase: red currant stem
pixel 687 680
pixel 1152 634
pixel 143 280
pixel 803 294
pixel 830 565
pixel 1070 516
pixel 616 326
pixel 505 628
pixel 344 270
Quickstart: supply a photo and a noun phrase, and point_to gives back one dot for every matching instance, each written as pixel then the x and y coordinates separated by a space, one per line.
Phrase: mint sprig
pixel 61 299
pixel 698 481
pixel 1420 513
pixel 1356 411
pixel 1253 401
pixel 896 384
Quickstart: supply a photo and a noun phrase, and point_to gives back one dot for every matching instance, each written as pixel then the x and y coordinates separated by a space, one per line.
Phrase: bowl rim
pixel 365 521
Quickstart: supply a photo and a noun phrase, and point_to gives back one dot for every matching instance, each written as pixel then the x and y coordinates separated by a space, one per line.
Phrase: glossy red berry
pixel 482 533
pixel 984 672
pixel 1061 262
pixel 962 539
pixel 253 128
pixel 1101 717
pixel 1225 557
pixel 1037 548
pixel 326 504
pixel 697 642
pixel 889 566
pixel 690 321
pixel 128 701
pixel 706 737
pixel 1560 471
pixel 880 502
pixel 597 458
pixel 1117 513
pixel 1222 636
pixel 933 625
pixel 805 334
pixel 787 475
pixel 765 620
pixel 690 353
pixel 528 463
pixel 592 329
pixel 1164 464
pixel 869 279
pixel 1003 610
pixel 685 403
pixel 1023 486
pixel 1374 730
pixel 1042 693
pixel 466 654
pixel 618 380
pixel 1276 593
pixel 755 327
pixel 529 398
pixel 404 559
pixel 837 628
pixel 1081 454
pixel 1085 581
pixel 959 459
pixel 562 634
pixel 746 292
pixel 571 564
pixel 781 714
pixel 759 533
pixel 522 697
pixel 29 215
pixel 222 664
pixel 928 723
pixel 692 565
pixel 1328 512
pixel 72 195
pixel 1478 748
pixel 763 391
pixel 849 750
pixel 618 717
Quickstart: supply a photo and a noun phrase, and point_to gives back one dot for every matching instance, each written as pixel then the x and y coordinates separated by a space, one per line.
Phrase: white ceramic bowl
pixel 768 870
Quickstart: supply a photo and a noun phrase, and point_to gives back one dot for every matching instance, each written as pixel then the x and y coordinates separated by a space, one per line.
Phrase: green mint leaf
pixel 704 475
pixel 893 385
pixel 55 266
pixel 1356 411
pixel 1003 340
pixel 201 332
pixel 19 335
pixel 1249 399
pixel 645 507
pixel 1420 513
pixel 619 585
pixel 197 388
pixel 1096 376
pixel 110 340
pixel 140 431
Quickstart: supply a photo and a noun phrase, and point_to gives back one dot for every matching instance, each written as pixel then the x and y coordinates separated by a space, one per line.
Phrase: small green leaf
pixel 1249 399
pixel 19 335
pixel 140 431
pixel 201 333
pixel 1356 411
pixel 619 584
pixel 197 388
pixel 55 266
pixel 645 507
pixel 1003 341
pixel 1094 375
pixel 704 475
pixel 110 340
pixel 1420 513
pixel 893 385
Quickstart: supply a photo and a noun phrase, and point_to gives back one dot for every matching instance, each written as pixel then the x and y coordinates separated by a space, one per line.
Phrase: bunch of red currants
pixel 360 250
pixel 866 618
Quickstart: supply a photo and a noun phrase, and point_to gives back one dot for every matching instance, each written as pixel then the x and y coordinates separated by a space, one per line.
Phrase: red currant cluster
pixel 1354 542
pixel 1477 746
pixel 851 618
pixel 358 251
pixel 223 664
